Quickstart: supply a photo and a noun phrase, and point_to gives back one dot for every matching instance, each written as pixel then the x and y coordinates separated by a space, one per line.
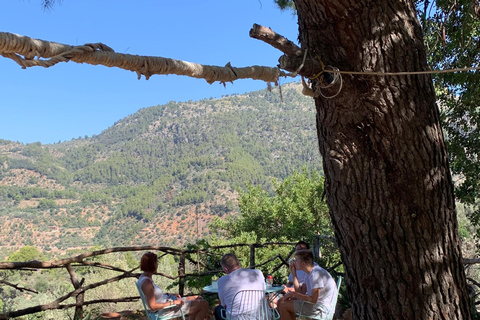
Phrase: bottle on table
pixel 269 281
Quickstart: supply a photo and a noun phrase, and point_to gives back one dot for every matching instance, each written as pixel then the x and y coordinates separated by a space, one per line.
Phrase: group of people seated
pixel 308 282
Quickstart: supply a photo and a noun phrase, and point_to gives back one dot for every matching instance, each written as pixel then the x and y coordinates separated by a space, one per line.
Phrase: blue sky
pixel 72 100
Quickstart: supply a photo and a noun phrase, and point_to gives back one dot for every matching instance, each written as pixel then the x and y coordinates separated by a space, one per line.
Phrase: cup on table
pixel 269 281
pixel 214 284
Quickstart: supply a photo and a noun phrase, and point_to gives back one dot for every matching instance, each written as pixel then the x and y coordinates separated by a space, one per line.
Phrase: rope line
pixel 336 78
pixel 315 93
pixel 321 72
pixel 368 73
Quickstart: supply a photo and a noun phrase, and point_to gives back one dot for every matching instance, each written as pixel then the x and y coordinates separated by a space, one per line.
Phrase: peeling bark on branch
pixel 310 69
pixel 275 40
pixel 293 57
pixel 57 303
pixel 79 258
pixel 23 50
pixel 57 306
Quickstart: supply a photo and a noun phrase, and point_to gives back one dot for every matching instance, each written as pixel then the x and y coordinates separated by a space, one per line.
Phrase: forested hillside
pixel 152 176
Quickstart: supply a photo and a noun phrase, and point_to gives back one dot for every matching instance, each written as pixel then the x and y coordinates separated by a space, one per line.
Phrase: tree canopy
pixel 452 39
pixel 295 211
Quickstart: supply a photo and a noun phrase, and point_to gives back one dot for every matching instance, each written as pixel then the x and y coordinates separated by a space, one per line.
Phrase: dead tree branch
pixel 275 40
pixel 21 289
pixel 28 52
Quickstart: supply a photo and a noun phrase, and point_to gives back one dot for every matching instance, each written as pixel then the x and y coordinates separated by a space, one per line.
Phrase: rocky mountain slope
pixel 158 176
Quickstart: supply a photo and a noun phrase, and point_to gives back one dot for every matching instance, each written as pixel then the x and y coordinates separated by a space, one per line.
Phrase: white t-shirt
pixel 320 278
pixel 300 276
pixel 241 279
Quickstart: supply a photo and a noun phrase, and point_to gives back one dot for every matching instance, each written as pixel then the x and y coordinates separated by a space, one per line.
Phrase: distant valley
pixel 158 176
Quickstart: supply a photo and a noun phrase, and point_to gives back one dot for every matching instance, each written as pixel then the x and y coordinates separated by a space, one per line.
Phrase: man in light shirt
pixel 301 245
pixel 235 280
pixel 320 289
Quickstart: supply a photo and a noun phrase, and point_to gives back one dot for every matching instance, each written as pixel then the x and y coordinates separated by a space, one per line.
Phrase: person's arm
pixel 288 287
pixel 148 290
pixel 303 288
pixel 220 292
pixel 296 284
pixel 305 297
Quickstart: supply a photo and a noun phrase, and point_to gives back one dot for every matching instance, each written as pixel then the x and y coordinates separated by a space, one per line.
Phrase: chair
pixel 154 315
pixel 328 314
pixel 250 305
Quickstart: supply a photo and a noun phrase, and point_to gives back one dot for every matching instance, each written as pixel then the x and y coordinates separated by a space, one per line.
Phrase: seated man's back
pixel 238 280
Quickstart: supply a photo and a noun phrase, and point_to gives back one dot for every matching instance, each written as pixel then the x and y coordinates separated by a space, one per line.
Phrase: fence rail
pixel 191 254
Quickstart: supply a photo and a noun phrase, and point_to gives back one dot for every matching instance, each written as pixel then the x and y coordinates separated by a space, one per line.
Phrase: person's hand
pixel 293 269
pixel 179 302
pixel 176 295
pixel 288 296
pixel 287 289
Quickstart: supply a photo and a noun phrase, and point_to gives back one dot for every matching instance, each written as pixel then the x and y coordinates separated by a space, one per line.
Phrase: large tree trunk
pixel 388 184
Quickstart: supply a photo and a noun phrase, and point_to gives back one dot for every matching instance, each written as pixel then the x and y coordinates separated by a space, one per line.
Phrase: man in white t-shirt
pixel 320 289
pixel 235 280
pixel 301 245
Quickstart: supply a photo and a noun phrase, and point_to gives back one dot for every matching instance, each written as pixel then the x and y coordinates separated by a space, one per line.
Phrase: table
pixel 210 289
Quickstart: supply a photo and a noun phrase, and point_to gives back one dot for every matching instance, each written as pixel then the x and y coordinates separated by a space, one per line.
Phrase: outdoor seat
pixel 250 305
pixel 325 314
pixel 155 315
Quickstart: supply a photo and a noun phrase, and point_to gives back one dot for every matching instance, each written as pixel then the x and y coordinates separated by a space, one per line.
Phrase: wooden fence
pixel 183 255
pixel 85 260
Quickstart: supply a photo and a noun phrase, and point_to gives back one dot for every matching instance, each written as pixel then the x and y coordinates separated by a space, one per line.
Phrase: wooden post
pixel 252 256
pixel 181 274
pixel 317 249
pixel 76 285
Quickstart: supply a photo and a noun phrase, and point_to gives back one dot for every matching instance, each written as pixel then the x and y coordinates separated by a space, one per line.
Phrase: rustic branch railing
pixel 192 255
pixel 80 260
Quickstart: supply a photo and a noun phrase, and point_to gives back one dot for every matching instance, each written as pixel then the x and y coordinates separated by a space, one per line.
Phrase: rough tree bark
pixel 388 183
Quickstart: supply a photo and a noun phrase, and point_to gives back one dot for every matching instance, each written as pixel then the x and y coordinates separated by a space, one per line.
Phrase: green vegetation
pixel 153 169
pixel 452 32
pixel 295 209
pixel 295 212
pixel 27 253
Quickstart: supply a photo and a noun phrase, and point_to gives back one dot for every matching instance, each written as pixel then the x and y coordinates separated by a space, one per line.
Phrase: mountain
pixel 158 176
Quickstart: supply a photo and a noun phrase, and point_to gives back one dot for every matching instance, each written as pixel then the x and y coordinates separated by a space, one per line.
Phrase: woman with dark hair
pixel 194 306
